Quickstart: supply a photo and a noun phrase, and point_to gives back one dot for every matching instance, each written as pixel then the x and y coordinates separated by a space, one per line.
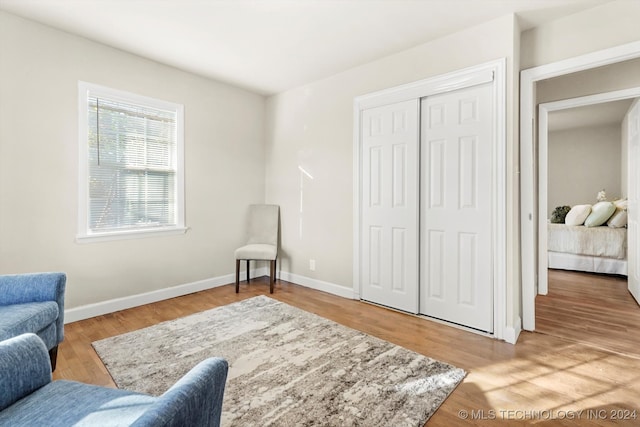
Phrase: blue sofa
pixel 33 303
pixel 28 397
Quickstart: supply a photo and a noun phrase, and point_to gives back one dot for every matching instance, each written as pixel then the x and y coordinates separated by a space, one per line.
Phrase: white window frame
pixel 85 234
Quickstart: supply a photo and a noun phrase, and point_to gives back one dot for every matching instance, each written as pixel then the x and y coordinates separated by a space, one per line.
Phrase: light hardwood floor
pixel 594 309
pixel 541 377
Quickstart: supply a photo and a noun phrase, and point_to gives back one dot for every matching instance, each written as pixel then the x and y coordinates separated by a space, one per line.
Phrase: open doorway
pixel 583 157
pixel 583 153
pixel 590 73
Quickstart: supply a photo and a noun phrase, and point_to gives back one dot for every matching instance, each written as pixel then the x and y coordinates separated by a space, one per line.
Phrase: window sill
pixel 132 234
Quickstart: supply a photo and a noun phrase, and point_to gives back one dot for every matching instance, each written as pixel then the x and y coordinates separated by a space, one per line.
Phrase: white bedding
pixel 592 241
pixel 594 264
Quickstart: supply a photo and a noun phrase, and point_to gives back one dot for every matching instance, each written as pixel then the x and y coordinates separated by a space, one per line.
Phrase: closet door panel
pixel 389 222
pixel 456 282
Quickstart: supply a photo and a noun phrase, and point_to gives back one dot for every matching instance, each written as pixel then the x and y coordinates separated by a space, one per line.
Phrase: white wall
pixel 623 75
pixel 312 127
pixel 309 127
pixel 618 76
pixel 608 25
pixel 583 161
pixel 224 172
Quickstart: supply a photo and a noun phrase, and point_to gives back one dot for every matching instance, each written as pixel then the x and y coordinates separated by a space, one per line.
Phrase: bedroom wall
pixel 611 24
pixel 607 26
pixel 224 166
pixel 622 75
pixel 583 161
pixel 311 128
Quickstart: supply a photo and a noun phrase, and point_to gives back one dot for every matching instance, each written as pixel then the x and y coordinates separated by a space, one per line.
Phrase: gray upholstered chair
pixel 33 303
pixel 29 397
pixel 262 242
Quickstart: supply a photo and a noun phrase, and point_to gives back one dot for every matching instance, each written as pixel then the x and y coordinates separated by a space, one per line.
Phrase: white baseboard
pixel 511 334
pixel 117 304
pixel 92 310
pixel 318 285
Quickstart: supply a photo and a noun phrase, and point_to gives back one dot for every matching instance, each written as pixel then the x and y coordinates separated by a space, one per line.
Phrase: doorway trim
pixel 491 71
pixel 543 163
pixel 528 198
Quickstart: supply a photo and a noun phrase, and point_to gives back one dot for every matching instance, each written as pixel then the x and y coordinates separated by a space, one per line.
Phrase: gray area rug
pixel 288 367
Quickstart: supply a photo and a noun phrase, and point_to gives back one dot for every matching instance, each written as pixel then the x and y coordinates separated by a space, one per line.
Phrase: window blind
pixel 132 166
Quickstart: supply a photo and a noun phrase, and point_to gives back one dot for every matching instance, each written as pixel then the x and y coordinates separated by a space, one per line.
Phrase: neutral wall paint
pixel 311 128
pixel 583 161
pixel 224 166
pixel 619 76
pixel 608 25
pixel 610 78
pixel 305 126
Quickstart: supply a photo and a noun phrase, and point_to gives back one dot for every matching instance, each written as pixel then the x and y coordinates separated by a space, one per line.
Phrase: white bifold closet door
pixel 389 224
pixel 456 261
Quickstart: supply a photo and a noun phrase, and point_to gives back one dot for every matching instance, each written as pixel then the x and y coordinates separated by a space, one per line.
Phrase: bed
pixel 593 249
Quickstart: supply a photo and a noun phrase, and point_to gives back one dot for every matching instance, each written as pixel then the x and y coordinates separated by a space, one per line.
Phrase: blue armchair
pixel 28 397
pixel 33 303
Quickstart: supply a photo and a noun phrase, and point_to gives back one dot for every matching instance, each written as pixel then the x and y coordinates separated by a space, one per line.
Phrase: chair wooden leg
pixel 53 356
pixel 248 265
pixel 237 276
pixel 272 274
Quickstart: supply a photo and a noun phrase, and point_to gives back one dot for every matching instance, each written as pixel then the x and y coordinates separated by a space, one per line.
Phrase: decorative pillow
pixel 600 213
pixel 559 214
pixel 577 215
pixel 621 204
pixel 618 219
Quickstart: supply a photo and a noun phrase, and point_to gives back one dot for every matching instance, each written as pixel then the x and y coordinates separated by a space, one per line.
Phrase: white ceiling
pixel 269 46
pixel 606 113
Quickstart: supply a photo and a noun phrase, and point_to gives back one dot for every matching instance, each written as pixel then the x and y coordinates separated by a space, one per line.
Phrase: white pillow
pixel 600 213
pixel 577 215
pixel 621 204
pixel 618 219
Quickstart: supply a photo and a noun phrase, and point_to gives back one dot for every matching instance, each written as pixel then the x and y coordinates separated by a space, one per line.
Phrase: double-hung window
pixel 131 165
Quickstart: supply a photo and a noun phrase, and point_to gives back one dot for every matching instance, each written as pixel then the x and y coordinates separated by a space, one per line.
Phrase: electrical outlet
pixel 312 264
